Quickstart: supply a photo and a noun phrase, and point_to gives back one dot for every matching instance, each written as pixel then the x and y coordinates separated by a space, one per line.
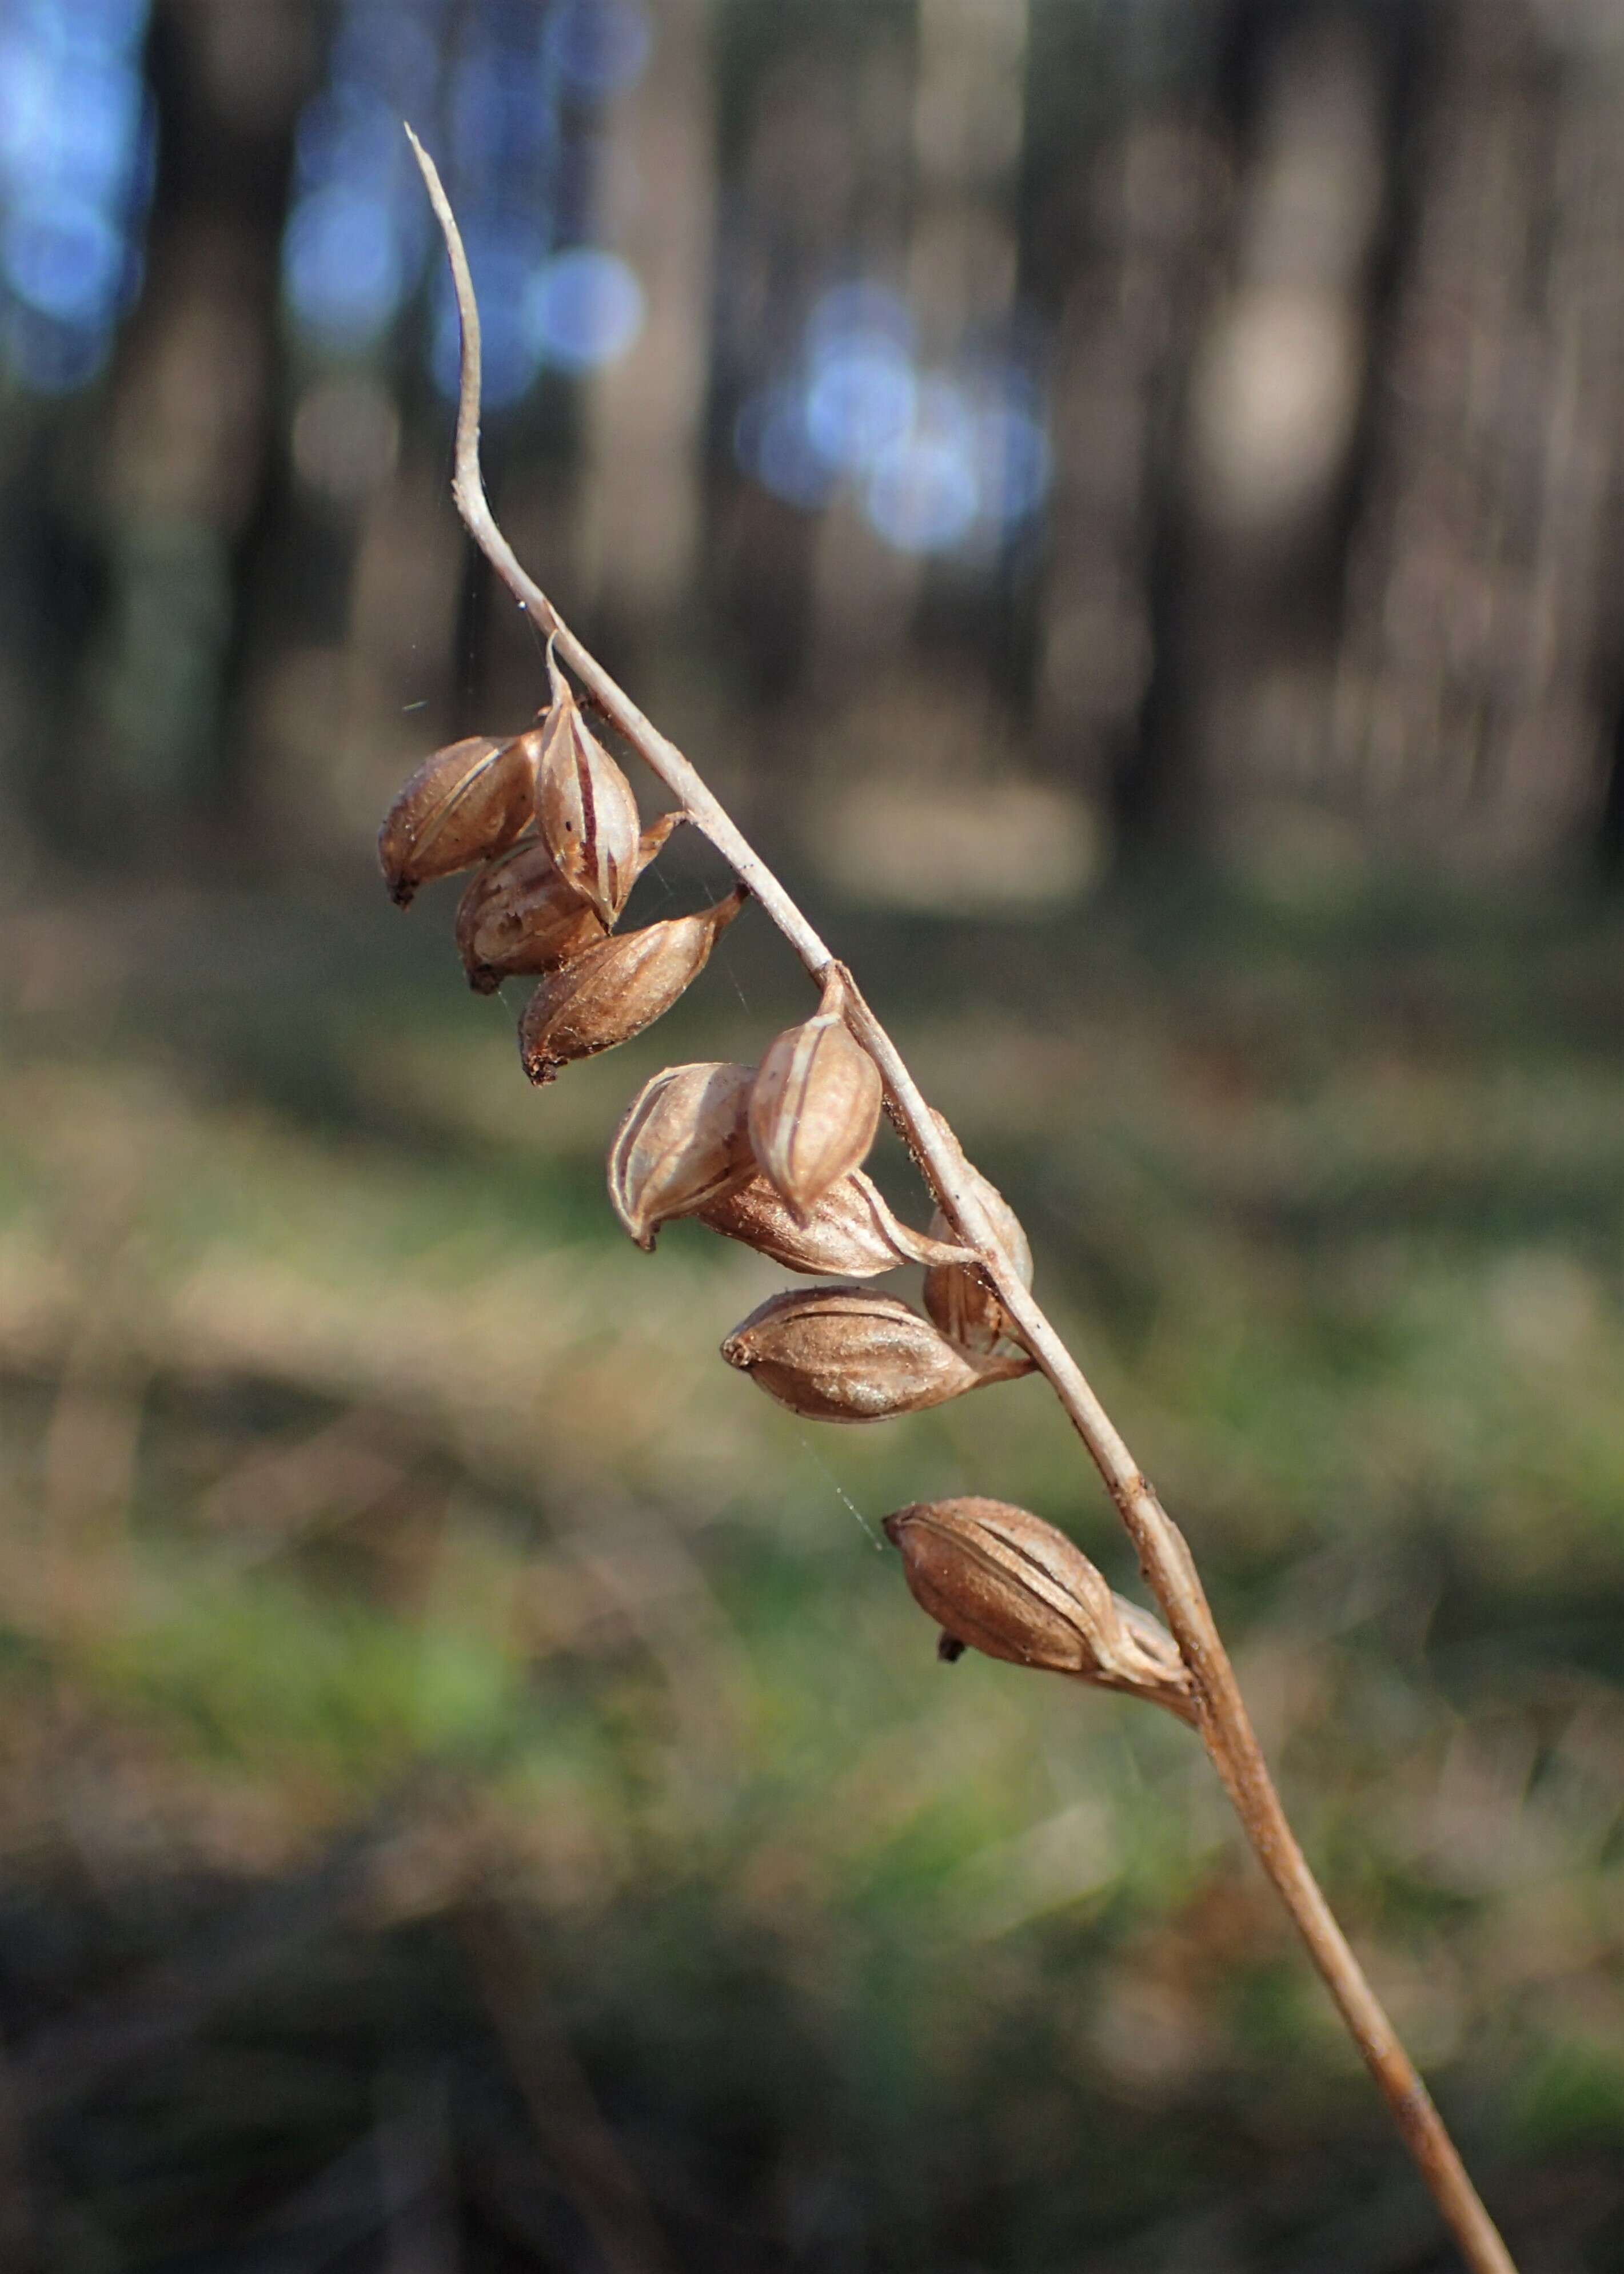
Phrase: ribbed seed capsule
pixel 957 1296
pixel 1006 1583
pixel 584 807
pixel 850 1230
pixel 682 1143
pixel 521 915
pixel 613 991
pixel 850 1354
pixel 815 1104
pixel 466 803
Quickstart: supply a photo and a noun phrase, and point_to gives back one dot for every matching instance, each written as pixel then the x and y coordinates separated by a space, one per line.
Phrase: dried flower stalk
pixel 1220 1714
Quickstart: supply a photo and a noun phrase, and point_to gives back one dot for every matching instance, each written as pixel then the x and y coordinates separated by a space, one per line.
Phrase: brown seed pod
pixel 584 807
pixel 683 1143
pixel 1006 1583
pixel 850 1354
pixel 850 1230
pixel 466 803
pixel 520 916
pixel 957 1296
pixel 613 991
pixel 815 1104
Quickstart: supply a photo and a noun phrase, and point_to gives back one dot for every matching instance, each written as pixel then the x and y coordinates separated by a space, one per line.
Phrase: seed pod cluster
pixel 811 1104
pixel 770 1155
pixel 554 822
pixel 793 1191
pixel 1002 1581
pixel 519 916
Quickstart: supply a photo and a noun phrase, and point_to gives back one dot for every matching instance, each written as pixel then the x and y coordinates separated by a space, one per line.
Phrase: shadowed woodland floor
pixel 473 1793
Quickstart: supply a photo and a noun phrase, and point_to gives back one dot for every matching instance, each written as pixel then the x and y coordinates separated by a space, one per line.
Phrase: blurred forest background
pixel 1126 497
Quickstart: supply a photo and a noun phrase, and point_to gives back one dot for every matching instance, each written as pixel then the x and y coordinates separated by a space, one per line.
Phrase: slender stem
pixel 1165 1557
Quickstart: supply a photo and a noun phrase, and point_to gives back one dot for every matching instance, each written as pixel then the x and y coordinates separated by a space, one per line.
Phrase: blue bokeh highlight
pixel 503 92
pixel 76 163
pixel 940 460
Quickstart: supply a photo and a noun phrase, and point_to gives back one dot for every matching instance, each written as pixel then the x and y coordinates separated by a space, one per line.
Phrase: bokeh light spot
pixel 599 47
pixel 861 311
pixel 341 265
pixel 861 396
pixel 66 259
pixel 74 183
pixel 103 23
pixel 347 130
pixel 923 495
pixel 771 442
pixel 584 308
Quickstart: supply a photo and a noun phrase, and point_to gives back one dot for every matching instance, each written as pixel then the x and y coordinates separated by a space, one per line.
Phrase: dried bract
pixel 682 1144
pixel 957 1295
pixel 521 915
pixel 849 1230
pixel 584 806
pixel 815 1104
pixel 1006 1583
pixel 466 803
pixel 613 991
pixel 850 1354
